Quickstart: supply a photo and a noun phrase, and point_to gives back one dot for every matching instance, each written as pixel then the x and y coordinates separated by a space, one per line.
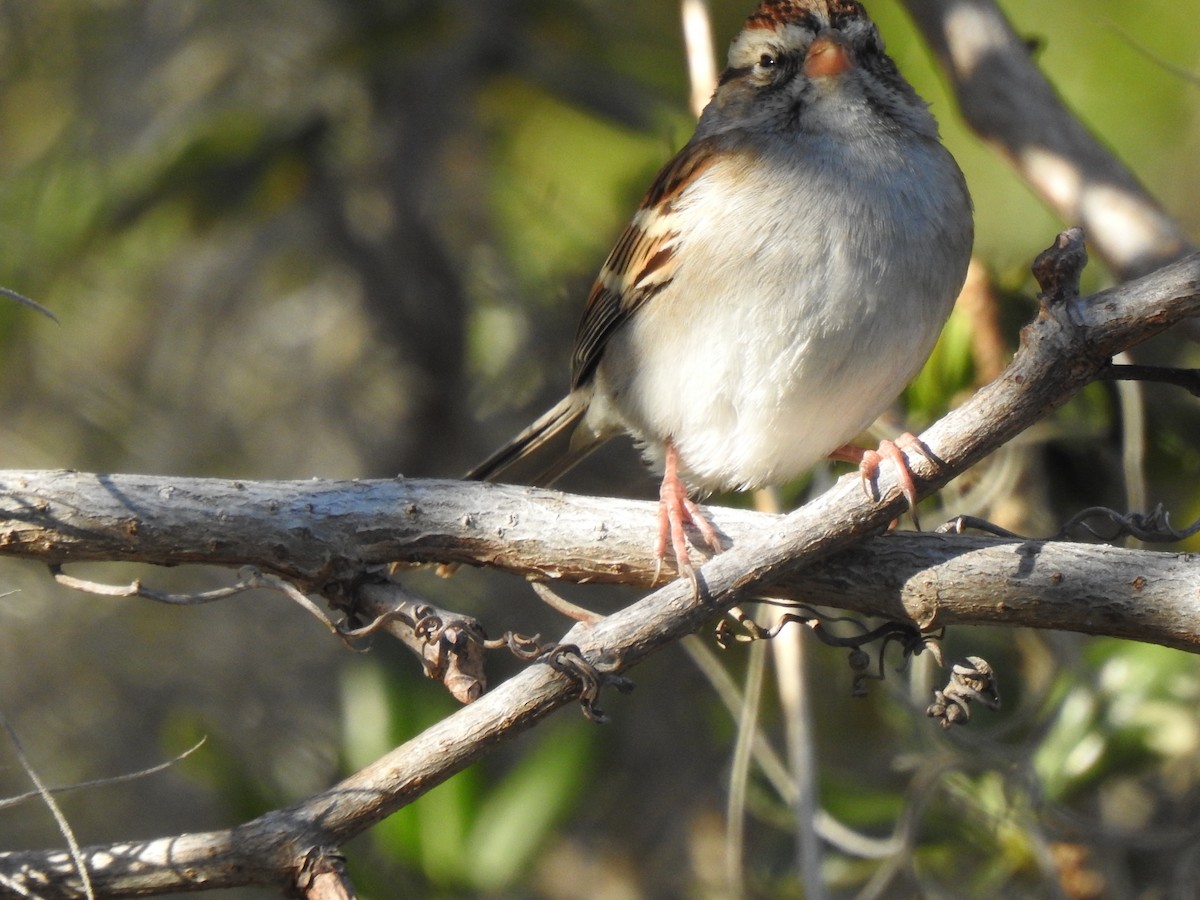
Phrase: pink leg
pixel 868 466
pixel 675 513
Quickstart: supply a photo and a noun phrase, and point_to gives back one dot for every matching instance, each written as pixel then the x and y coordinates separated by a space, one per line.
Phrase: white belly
pixel 791 323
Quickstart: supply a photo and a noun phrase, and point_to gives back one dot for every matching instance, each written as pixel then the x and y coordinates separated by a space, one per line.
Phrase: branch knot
pixel 1059 267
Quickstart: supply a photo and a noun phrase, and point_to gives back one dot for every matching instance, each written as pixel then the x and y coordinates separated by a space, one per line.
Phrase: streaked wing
pixel 642 263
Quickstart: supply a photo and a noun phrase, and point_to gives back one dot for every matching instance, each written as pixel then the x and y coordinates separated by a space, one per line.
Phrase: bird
pixel 786 275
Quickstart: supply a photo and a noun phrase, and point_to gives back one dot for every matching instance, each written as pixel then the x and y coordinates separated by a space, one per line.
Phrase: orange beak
pixel 827 55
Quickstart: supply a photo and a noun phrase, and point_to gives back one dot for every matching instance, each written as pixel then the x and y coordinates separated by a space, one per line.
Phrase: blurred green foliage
pixel 473 831
pixel 349 239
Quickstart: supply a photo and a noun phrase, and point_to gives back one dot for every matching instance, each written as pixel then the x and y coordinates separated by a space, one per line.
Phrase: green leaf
pixel 517 816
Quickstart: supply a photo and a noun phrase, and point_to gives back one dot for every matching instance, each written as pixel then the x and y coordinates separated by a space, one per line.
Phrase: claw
pixel 868 466
pixel 675 512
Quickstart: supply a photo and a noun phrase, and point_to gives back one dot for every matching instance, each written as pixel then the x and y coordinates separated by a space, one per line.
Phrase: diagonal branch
pixel 1009 103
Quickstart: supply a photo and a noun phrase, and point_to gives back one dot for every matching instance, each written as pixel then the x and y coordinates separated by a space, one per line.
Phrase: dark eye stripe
pixel 731 73
pixel 767 63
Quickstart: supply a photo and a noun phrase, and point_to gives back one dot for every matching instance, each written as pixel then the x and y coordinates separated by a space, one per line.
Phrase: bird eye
pixel 766 61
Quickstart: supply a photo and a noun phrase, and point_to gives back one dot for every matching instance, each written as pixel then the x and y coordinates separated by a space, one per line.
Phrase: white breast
pixel 810 290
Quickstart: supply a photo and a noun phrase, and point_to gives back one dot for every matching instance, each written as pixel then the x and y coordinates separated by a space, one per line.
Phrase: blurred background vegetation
pixel 351 238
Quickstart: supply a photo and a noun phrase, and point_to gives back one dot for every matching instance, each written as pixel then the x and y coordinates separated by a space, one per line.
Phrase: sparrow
pixel 786 275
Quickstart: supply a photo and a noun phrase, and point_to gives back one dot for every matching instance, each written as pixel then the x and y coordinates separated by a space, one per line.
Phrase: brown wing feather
pixel 641 264
pixel 543 451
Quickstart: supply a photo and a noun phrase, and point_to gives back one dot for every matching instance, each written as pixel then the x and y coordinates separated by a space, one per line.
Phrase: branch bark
pixel 325 534
pixel 1068 345
pixel 1009 103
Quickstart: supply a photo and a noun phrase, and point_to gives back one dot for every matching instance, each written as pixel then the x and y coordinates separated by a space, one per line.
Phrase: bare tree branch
pixel 932 579
pixel 1006 99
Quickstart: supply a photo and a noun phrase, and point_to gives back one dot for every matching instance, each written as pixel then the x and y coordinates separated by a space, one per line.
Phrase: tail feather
pixel 544 451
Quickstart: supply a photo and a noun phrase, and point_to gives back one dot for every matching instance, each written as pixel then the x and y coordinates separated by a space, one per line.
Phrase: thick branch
pixel 1006 99
pixel 325 533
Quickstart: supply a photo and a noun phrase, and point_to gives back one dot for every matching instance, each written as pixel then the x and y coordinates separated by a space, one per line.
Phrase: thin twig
pixel 250 578
pixel 135 588
pixel 64 827
pixel 1153 527
pixel 561 604
pixel 6 802
pixel 25 301
pixel 1173 69
pixel 1188 379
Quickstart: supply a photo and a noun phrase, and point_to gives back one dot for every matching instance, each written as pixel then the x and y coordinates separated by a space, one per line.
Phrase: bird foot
pixel 675 512
pixel 868 466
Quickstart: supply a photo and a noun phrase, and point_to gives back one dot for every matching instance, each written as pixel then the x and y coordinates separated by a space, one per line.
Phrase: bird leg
pixel 675 512
pixel 868 466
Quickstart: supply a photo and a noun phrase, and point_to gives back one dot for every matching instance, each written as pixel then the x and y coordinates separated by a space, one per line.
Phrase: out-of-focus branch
pixel 1006 99
pixel 701 59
